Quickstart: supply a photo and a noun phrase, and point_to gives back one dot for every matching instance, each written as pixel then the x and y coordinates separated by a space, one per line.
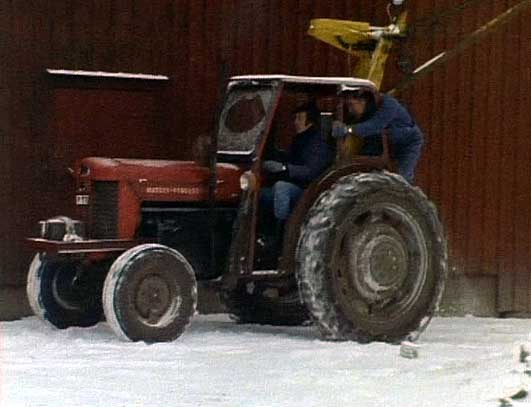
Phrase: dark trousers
pixel 282 198
pixel 407 161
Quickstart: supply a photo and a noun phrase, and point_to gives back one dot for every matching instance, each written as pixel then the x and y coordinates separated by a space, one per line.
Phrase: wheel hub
pixel 63 288
pixel 378 262
pixel 156 300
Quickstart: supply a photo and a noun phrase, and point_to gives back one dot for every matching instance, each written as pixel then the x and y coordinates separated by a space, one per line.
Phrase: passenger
pixel 368 118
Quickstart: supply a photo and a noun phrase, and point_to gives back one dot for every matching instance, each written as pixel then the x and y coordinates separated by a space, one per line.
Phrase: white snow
pixel 461 362
pixel 102 74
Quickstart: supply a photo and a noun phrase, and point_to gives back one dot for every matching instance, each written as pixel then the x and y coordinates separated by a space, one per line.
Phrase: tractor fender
pixel 314 190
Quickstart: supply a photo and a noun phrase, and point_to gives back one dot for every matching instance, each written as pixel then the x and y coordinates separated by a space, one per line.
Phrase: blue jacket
pixel 307 157
pixel 404 134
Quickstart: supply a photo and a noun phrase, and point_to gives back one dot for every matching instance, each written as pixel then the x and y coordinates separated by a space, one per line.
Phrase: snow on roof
pixel 318 80
pixel 101 74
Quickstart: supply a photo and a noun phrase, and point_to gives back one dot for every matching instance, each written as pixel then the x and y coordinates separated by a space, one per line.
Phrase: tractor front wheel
pixel 150 294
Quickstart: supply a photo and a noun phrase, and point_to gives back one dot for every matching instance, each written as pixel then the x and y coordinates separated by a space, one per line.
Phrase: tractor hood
pixel 163 179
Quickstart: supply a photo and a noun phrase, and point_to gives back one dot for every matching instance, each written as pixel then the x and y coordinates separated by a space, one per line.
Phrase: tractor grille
pixel 105 210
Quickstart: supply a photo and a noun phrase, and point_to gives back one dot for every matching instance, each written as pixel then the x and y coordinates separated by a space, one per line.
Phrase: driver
pixel 293 170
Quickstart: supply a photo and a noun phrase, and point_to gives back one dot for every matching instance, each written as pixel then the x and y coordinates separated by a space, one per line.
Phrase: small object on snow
pixel 409 350
pixel 525 351
pixel 519 395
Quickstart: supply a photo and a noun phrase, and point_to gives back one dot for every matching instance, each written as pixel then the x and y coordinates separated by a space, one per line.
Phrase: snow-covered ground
pixel 462 362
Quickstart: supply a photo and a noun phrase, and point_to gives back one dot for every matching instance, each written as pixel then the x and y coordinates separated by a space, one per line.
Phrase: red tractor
pixel 363 254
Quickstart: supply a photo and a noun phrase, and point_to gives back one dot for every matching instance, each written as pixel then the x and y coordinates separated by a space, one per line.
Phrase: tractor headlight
pixel 247 181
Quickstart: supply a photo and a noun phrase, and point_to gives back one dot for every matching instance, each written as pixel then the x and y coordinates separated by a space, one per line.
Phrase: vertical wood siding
pixel 475 110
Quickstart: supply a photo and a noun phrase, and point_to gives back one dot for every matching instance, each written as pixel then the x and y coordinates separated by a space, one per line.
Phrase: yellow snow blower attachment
pixel 342 34
pixel 370 46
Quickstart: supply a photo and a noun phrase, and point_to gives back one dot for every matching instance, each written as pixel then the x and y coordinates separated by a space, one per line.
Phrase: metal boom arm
pixel 495 24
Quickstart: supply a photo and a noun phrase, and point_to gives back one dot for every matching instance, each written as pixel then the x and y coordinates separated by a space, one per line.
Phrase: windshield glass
pixel 243 119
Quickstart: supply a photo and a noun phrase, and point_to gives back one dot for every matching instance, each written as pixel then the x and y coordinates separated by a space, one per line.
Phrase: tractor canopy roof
pixel 251 100
pixel 304 83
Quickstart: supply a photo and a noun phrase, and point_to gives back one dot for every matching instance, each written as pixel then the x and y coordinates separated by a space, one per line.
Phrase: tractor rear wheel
pixel 150 294
pixel 372 259
pixel 57 294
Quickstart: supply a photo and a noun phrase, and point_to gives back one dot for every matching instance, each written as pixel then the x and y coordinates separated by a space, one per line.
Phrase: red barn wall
pixel 474 111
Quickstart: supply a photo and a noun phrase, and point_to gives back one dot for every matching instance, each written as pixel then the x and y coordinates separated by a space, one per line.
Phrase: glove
pixel 339 129
pixel 273 167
